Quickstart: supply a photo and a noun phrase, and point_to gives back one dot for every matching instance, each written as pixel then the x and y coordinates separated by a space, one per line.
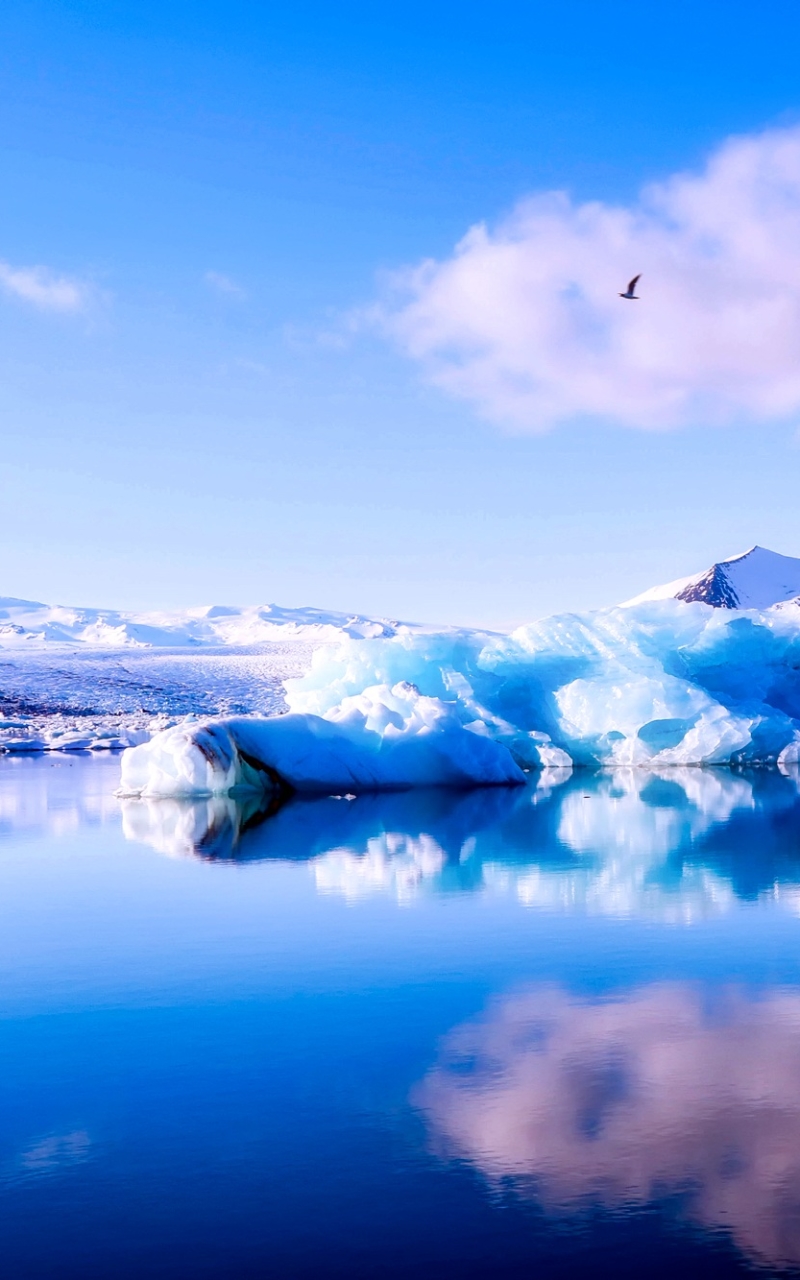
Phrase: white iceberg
pixel 386 738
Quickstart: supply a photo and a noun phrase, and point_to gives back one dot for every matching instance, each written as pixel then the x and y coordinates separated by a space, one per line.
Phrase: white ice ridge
pixel 663 683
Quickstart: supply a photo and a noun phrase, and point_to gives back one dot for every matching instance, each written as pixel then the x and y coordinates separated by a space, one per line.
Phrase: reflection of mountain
pixel 675 845
pixel 666 1090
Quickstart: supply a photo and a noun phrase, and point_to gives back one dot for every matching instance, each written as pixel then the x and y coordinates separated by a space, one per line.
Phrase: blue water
pixel 552 1031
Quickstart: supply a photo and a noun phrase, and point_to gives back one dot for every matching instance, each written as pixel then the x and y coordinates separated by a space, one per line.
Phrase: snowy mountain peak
pixel 756 579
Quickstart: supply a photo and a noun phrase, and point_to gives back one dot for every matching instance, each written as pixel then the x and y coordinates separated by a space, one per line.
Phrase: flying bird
pixel 629 292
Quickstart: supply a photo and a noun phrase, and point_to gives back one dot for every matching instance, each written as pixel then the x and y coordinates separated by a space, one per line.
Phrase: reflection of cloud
pixel 621 1101
pixel 55 1152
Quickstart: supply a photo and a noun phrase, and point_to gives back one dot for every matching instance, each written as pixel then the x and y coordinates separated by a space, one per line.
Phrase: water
pixel 547 1032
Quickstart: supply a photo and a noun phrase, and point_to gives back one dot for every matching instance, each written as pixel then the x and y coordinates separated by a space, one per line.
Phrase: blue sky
pixel 225 186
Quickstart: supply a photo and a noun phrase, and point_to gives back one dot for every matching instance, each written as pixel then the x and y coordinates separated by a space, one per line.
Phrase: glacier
pixel 658 684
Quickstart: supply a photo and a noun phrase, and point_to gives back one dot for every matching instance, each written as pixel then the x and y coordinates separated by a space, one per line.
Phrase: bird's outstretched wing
pixel 632 284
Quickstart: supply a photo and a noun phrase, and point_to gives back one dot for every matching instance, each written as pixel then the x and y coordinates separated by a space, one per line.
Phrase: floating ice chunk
pixel 18 746
pixel 382 739
pixel 71 741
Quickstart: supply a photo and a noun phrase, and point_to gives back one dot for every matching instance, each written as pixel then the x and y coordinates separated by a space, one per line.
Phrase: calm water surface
pixel 542 1032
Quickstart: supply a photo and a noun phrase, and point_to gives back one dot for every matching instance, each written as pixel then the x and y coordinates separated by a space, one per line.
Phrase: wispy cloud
pixel 44 289
pixel 523 320
pixel 223 284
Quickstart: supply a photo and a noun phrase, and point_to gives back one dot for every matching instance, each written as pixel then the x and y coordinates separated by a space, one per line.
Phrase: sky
pixel 318 304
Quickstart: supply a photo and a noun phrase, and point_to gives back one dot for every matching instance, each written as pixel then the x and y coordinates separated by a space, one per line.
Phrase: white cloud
pixel 524 319
pixel 42 288
pixel 224 284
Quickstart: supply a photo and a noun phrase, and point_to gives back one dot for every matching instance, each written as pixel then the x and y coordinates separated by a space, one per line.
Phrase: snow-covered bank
pixel 660 684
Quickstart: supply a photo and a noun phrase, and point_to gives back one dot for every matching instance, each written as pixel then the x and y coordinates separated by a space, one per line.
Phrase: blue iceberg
pixel 661 683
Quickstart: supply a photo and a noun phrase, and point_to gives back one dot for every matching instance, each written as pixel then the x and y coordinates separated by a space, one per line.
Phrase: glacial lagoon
pixel 548 1030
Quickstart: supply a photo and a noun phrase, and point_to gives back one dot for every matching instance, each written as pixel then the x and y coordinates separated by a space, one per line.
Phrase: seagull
pixel 629 293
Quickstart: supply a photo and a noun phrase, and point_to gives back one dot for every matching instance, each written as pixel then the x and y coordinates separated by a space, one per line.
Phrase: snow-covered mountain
pixel 756 579
pixel 27 624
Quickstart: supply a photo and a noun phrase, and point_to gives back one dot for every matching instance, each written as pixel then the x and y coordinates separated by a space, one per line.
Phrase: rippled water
pixel 548 1031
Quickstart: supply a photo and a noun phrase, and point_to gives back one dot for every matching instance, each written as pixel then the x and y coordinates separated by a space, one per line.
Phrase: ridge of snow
pixel 29 624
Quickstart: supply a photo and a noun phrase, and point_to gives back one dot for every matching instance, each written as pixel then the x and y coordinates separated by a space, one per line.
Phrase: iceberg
pixel 662 683
pixel 381 740
pixel 654 685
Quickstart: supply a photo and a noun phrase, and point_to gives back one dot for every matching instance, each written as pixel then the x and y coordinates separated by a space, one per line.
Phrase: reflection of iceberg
pixel 628 842
pixel 622 1101
pixel 214 828
pixel 313 828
